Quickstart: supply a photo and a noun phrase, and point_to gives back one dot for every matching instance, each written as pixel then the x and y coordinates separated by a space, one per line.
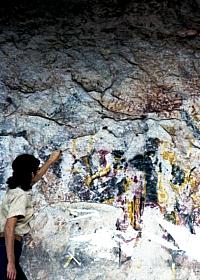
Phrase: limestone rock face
pixel 115 85
pixel 70 223
pixel 72 234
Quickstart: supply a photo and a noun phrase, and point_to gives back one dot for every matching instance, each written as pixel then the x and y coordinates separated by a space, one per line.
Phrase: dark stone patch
pixel 143 162
pixel 9 100
pixel 77 184
pixel 160 167
pixel 112 188
pixel 21 134
pixel 78 187
pixel 138 162
pixel 117 153
pixel 2 178
pixel 56 168
pixel 42 153
pixel 120 164
pixel 152 145
pixel 178 175
pixel 190 123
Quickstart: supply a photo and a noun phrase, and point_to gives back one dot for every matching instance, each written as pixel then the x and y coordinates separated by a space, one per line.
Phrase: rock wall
pixel 115 85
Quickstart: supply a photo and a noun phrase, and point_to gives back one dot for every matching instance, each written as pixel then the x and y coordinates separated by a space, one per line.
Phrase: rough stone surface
pixel 115 85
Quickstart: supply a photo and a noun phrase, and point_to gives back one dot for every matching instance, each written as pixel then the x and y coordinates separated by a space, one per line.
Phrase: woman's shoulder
pixel 17 192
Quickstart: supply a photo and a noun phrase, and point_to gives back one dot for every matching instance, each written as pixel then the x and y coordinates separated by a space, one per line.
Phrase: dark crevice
pixel 35 114
pixel 110 131
pixel 22 133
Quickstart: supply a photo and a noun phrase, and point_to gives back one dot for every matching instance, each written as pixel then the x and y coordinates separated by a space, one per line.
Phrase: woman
pixel 16 212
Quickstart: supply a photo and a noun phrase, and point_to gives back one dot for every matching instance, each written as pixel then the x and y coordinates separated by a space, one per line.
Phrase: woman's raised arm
pixel 43 169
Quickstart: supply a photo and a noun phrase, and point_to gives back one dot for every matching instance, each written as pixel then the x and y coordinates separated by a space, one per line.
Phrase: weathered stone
pixel 84 230
pixel 115 85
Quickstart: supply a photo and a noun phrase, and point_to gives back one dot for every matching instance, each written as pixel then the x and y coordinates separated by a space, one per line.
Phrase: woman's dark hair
pixel 23 167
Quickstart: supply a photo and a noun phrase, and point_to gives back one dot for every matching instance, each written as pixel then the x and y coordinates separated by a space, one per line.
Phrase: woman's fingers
pixel 11 275
pixel 11 272
pixel 55 156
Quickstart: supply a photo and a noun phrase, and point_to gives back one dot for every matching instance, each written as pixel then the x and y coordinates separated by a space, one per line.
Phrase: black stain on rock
pixel 110 189
pixel 21 134
pixel 152 145
pixel 160 167
pixel 9 100
pixel 117 153
pixel 99 193
pixel 144 162
pixel 77 184
pixel 42 153
pixel 78 187
pixel 2 177
pixel 178 175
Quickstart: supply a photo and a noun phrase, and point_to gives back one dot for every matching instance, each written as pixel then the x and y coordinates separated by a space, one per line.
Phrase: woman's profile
pixel 16 212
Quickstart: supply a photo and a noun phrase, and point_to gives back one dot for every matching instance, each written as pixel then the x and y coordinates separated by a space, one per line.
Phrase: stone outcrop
pixel 115 85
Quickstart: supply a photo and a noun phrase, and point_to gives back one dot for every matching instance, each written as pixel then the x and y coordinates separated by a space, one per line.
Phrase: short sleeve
pixel 17 205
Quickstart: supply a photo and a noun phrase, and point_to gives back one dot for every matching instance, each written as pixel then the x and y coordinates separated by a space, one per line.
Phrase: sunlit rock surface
pixel 115 85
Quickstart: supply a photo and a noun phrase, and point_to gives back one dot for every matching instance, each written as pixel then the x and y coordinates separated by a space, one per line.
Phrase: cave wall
pixel 115 85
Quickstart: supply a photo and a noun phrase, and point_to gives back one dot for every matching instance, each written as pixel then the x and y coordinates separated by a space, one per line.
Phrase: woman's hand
pixel 43 169
pixel 9 238
pixel 11 271
pixel 55 156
